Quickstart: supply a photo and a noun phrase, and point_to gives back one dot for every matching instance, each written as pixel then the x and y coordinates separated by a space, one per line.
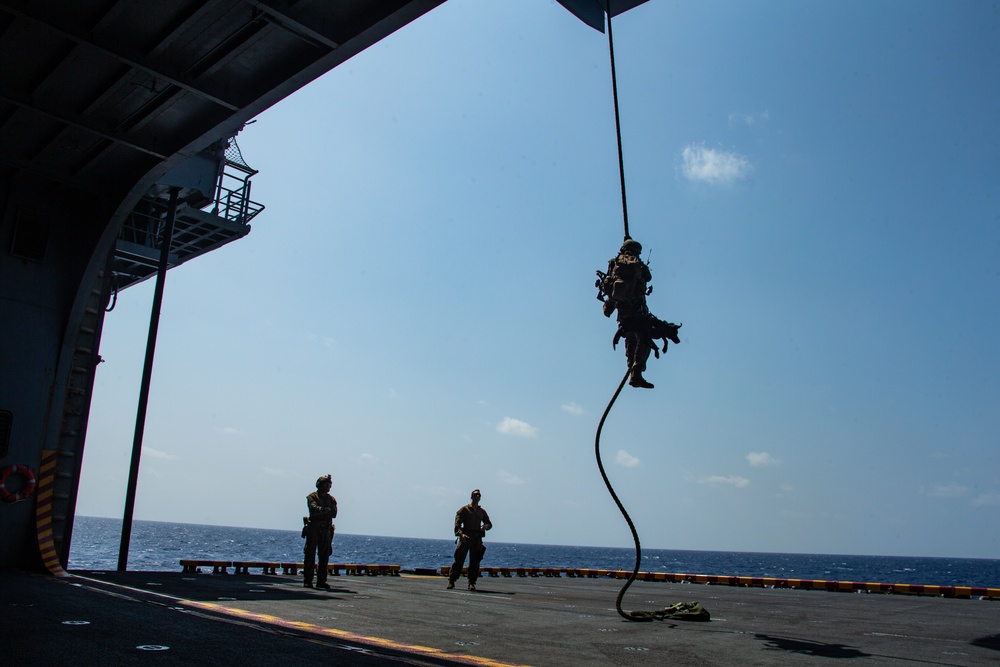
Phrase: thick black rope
pixel 635 535
pixel 600 426
pixel 689 611
pixel 685 610
pixel 618 124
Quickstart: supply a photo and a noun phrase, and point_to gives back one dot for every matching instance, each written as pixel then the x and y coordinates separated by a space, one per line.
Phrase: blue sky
pixel 816 188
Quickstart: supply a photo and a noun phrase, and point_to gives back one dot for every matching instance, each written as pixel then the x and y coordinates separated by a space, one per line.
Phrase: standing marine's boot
pixel 322 573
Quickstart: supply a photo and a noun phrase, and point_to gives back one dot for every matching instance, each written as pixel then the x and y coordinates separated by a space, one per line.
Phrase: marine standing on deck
pixel 318 531
pixel 624 288
pixel 471 524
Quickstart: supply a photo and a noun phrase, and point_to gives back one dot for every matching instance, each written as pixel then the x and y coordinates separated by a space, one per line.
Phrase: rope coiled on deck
pixel 692 611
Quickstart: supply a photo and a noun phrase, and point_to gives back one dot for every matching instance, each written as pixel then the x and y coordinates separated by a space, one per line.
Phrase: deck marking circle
pixel 152 647
pixel 76 622
pixel 356 649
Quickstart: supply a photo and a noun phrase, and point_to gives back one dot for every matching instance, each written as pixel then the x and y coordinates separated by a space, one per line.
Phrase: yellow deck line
pixel 366 640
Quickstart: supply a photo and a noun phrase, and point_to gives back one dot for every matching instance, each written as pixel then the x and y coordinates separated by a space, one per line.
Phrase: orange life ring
pixel 27 485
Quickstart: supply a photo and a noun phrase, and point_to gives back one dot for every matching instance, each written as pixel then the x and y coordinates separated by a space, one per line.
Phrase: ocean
pixel 159 546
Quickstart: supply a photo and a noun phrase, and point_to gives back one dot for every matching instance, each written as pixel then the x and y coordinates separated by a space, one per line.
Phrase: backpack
pixel 624 280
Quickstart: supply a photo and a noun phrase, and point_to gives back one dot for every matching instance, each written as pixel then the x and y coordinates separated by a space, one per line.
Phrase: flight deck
pixel 201 618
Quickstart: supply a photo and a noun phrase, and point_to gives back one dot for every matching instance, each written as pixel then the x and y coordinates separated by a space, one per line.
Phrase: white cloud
pixel 949 491
pixel 758 459
pixel 516 427
pixel 325 341
pixel 625 459
pixel 276 472
pixel 748 119
pixel 732 480
pixel 508 478
pixel 228 430
pixel 572 408
pixel 987 500
pixel 157 454
pixel 368 458
pixel 712 166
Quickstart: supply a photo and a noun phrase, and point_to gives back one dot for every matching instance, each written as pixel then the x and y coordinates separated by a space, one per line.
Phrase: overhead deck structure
pixel 107 107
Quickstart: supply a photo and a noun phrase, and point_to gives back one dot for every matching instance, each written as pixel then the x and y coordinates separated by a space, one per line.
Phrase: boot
pixel 636 380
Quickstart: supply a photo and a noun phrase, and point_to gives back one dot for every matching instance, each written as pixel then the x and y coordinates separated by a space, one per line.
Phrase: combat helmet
pixel 325 479
pixel 631 247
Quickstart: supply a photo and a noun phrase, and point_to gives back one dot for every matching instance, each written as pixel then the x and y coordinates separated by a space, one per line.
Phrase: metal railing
pixel 232 198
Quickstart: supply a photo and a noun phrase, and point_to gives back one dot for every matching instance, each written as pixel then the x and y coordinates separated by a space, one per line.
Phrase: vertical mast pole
pixel 147 372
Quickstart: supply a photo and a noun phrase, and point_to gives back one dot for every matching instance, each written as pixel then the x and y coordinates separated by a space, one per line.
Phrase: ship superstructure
pixel 116 116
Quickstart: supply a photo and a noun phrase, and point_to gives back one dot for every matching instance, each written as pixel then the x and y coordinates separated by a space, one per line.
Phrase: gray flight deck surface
pixel 136 618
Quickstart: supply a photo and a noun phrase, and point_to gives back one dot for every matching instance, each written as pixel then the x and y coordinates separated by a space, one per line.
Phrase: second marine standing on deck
pixel 471 524
pixel 318 531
